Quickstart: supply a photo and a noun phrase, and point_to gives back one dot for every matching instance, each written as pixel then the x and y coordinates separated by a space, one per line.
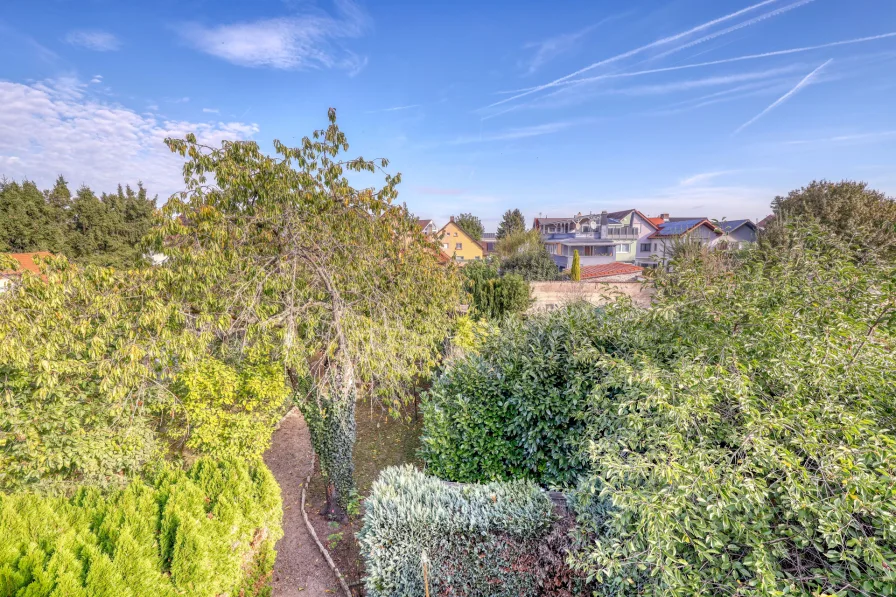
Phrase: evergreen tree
pixel 513 221
pixel 575 272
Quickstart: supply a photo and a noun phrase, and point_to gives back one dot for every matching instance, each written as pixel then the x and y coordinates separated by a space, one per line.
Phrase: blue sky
pixel 693 107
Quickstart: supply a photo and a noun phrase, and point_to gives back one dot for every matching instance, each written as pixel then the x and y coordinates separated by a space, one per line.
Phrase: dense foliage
pixel 492 295
pixel 478 541
pixel 85 363
pixel 517 409
pixel 209 531
pixel 512 222
pixel 102 371
pixel 739 435
pixel 470 224
pixel 230 412
pixel 742 440
pixel 286 262
pixel 533 266
pixel 104 230
pixel 863 217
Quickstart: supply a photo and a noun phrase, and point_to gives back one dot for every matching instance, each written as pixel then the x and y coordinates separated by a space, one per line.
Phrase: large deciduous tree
pixel 513 221
pixel 471 225
pixel 280 256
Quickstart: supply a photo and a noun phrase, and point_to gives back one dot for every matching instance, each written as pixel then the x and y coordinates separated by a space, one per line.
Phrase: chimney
pixel 451 219
pixel 604 224
pixel 664 216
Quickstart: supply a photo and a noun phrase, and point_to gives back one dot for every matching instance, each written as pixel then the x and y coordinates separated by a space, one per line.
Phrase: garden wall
pixel 550 295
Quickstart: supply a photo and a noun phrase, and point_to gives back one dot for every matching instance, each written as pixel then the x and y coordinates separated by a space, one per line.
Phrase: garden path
pixel 300 570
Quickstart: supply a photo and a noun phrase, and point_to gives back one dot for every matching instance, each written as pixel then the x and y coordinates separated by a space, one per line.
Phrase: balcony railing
pixel 625 232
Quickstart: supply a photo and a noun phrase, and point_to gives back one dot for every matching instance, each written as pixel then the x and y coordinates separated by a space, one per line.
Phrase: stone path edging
pixel 320 546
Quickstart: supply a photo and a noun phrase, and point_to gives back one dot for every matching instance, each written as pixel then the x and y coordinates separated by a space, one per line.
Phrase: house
pixel 599 238
pixel 737 234
pixel 427 226
pixel 488 242
pixel 612 272
pixel 765 222
pixel 661 243
pixel 26 263
pixel 458 244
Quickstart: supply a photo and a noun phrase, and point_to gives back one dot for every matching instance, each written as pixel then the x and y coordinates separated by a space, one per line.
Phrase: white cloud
pixel 56 127
pixel 522 132
pixel 298 42
pixel 210 110
pixel 97 79
pixel 99 41
pixel 704 177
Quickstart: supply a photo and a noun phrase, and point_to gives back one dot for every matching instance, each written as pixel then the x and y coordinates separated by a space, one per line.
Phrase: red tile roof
pixel 26 263
pixel 609 269
pixel 656 221
pixel 423 223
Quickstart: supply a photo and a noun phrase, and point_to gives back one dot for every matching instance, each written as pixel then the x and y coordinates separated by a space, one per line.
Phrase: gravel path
pixel 300 569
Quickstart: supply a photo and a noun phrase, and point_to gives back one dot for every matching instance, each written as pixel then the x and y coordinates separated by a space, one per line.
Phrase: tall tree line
pixel 86 228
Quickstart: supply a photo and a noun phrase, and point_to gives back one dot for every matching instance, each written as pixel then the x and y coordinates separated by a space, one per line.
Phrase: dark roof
pixel 489 235
pixel 609 269
pixel 687 218
pixel 730 226
pixel 680 227
pixel 424 223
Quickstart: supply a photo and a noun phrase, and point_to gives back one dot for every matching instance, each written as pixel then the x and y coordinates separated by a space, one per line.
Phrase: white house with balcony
pixel 599 238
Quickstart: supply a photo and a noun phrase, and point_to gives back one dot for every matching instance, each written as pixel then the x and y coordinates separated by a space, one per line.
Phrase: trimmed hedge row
pixel 500 539
pixel 208 531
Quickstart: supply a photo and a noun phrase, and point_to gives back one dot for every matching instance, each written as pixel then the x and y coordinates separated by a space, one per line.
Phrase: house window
pixel 459 246
pixel 444 245
pixel 455 234
pixel 645 246
pixel 654 247
pixel 623 248
pixel 459 257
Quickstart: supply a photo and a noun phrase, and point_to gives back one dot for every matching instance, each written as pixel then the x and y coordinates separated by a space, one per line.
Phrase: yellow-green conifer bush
pixel 208 531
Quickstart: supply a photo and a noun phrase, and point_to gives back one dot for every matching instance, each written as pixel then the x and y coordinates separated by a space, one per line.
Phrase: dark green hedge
pixel 208 531
pixel 516 410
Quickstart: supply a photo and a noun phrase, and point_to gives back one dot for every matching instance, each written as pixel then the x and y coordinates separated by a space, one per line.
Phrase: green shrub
pixel 231 412
pixel 492 295
pixel 742 441
pixel 208 531
pixel 517 409
pixel 533 265
pixel 477 540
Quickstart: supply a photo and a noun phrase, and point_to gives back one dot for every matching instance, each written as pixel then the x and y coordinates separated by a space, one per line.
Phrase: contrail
pixel 734 28
pixel 722 61
pixel 784 97
pixel 630 53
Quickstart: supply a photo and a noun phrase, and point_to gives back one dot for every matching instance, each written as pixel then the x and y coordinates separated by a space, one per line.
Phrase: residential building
pixel 737 234
pixel 26 263
pixel 599 238
pixel 428 227
pixel 661 243
pixel 488 242
pixel 765 222
pixel 458 244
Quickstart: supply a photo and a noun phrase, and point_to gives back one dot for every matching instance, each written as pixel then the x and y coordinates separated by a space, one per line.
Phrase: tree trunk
pixel 332 427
